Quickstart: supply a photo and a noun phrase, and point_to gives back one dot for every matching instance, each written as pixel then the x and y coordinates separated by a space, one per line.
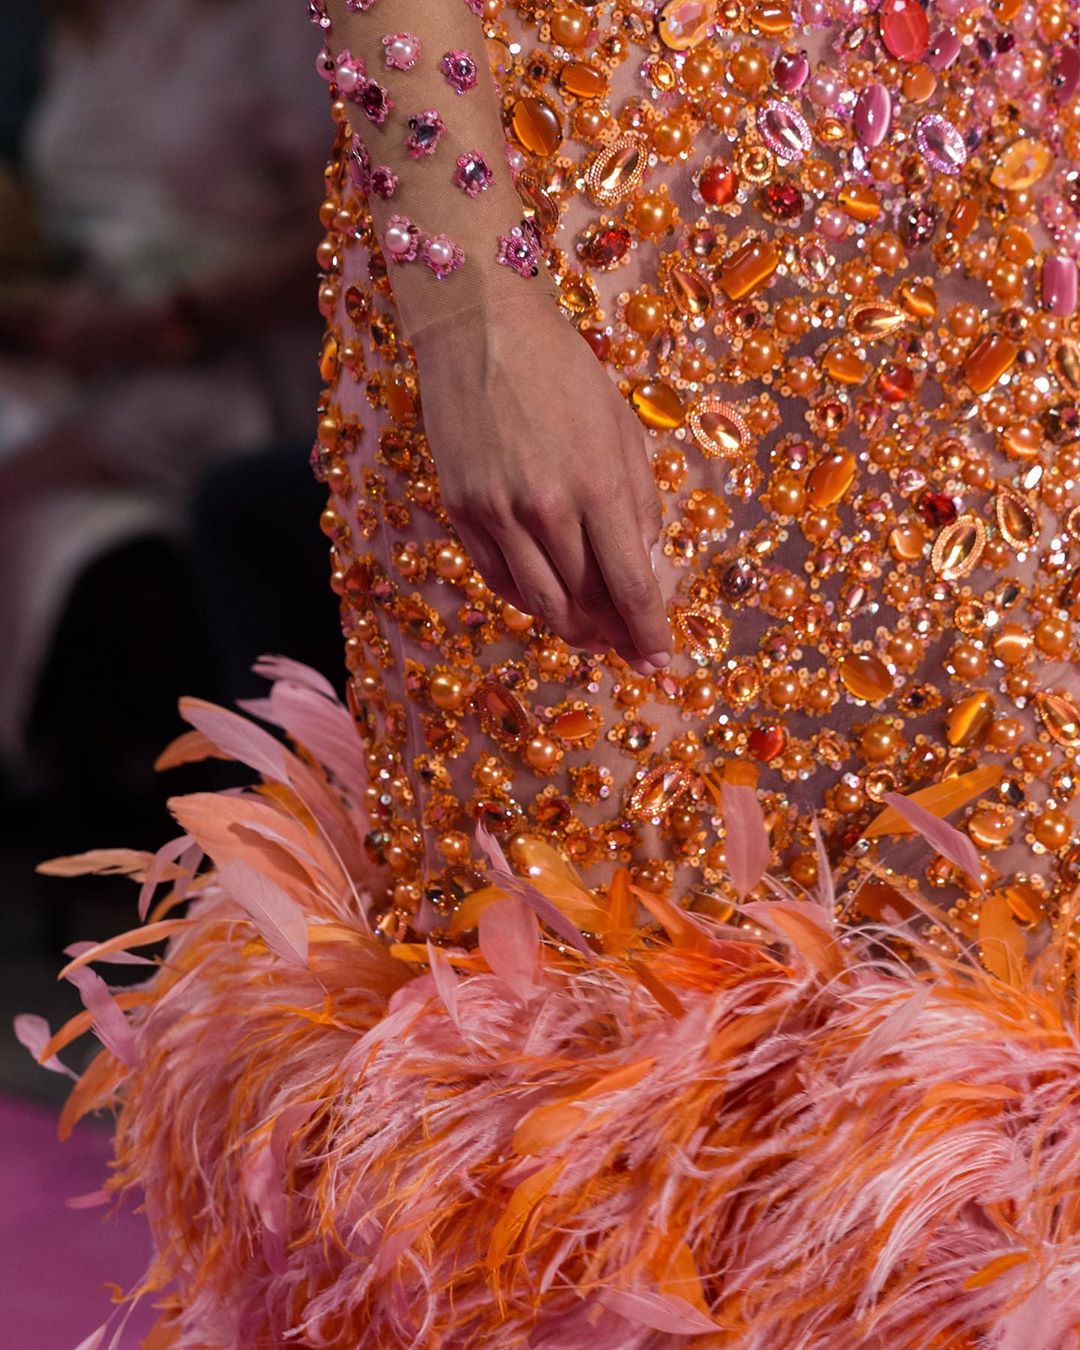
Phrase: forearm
pixel 430 188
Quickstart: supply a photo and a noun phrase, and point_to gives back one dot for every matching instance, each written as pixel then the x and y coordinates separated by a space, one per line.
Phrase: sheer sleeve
pixel 429 151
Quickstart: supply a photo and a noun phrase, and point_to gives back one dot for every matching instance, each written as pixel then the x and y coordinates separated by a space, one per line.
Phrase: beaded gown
pixel 535 1002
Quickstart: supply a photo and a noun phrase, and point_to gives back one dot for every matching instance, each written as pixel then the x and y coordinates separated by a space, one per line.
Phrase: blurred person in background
pixel 162 327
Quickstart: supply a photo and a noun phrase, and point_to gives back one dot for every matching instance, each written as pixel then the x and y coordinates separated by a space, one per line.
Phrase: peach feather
pixel 675 1132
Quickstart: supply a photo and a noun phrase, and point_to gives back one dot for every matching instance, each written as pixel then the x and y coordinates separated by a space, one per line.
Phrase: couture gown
pixel 530 1001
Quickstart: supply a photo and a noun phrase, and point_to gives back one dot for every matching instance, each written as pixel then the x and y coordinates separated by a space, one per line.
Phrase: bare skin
pixel 552 497
pixel 542 465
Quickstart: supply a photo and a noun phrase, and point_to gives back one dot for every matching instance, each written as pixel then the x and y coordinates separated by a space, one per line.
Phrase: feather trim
pixel 676 1132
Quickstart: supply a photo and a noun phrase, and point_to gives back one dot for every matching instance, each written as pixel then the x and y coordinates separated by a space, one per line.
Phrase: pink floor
pixel 54 1261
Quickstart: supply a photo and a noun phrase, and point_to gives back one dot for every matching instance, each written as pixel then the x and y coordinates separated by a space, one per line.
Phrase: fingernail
pixel 649 545
pixel 641 666
pixel 659 659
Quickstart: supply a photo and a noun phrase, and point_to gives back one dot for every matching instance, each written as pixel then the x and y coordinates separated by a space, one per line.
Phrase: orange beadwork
pixel 865 432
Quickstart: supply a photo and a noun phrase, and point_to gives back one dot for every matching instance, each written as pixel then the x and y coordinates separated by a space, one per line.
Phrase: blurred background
pixel 160 174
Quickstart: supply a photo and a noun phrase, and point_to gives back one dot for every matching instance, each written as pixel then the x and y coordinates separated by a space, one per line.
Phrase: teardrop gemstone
pixel 1061 718
pixel 873 320
pixel 502 714
pixel 1017 520
pixel 704 631
pixel 688 291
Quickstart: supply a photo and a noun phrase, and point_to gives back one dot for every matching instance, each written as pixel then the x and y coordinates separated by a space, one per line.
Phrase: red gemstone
pixel 765 743
pixel 718 184
pixel 607 247
pixel 896 383
pixel 783 201
pixel 937 508
pixel 905 29
pixel 599 341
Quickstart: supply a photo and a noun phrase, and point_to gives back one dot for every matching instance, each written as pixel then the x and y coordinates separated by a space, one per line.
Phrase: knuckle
pixel 542 508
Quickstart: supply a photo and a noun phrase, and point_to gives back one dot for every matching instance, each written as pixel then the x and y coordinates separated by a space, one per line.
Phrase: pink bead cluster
pixel 404 242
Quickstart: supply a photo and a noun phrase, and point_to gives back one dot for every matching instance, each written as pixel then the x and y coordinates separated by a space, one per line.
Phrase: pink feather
pixel 113 1029
pixel 942 837
pixel 238 737
pixel 445 981
pixel 510 942
pixel 555 919
pixel 280 920
pixel 662 1312
pixel 276 668
pixel 160 868
pixel 33 1033
pixel 746 840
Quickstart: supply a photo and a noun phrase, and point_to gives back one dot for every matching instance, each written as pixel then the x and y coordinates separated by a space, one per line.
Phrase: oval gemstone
pixel 860 202
pixel 958 548
pixel 582 81
pixel 576 724
pixel 719 430
pixel 765 743
pixel 617 170
pixel 873 115
pixel 658 405
pixel 1060 716
pixel 784 130
pixel 683 23
pixel 718 184
pixel 941 144
pixel 905 29
pixel 845 366
pixel 1021 165
pixel 919 299
pixel 970 719
pixel 866 676
pixel 536 125
pixel 830 478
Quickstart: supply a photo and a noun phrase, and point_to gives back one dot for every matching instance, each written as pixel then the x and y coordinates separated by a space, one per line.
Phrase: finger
pixel 642 484
pixel 616 539
pixel 486 556
pixel 543 593
pixel 582 576
pixel 576 564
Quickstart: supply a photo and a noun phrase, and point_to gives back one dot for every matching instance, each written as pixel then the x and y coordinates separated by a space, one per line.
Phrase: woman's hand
pixel 544 475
